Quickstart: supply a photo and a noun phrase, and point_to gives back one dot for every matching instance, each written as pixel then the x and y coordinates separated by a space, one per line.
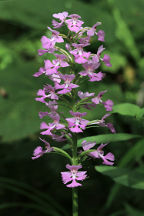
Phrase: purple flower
pixel 73 176
pixel 49 43
pixel 101 35
pixel 103 124
pixel 83 95
pixel 97 99
pixel 77 124
pixel 38 152
pixel 108 104
pixel 47 92
pixel 108 159
pixel 74 24
pixel 89 71
pixel 92 30
pixel 67 86
pixel 52 105
pixel 80 55
pixel 40 72
pixel 51 126
pixel 56 78
pixel 106 60
pixel 61 16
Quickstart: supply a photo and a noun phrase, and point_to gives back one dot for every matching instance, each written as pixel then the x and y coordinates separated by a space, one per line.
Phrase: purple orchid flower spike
pixel 67 86
pixel 77 124
pixel 73 176
pixel 108 159
pixel 61 16
pixel 74 24
pixel 80 55
pixel 38 152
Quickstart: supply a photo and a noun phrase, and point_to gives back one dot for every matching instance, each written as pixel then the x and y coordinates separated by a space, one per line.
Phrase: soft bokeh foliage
pixel 34 187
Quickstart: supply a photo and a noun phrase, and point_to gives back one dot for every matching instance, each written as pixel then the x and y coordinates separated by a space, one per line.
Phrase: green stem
pixel 74 190
pixel 75 201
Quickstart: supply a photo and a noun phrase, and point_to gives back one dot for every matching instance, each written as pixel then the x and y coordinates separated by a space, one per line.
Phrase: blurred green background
pixel 34 187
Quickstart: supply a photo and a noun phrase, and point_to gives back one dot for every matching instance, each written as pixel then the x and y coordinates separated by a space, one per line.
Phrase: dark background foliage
pixel 34 187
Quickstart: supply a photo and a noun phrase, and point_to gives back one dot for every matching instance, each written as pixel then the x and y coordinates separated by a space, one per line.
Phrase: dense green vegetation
pixel 29 187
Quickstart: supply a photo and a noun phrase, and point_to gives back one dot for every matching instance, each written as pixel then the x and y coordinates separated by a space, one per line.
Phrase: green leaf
pixel 128 109
pixel 135 153
pixel 127 177
pixel 105 138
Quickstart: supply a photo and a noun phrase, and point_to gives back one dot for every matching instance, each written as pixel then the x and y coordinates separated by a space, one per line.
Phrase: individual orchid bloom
pixel 89 71
pixel 61 16
pixel 68 85
pixel 73 176
pixel 51 126
pixel 49 43
pixel 48 46
pixel 89 67
pixel 60 60
pixel 83 95
pixel 52 67
pixel 80 55
pixel 108 159
pixel 96 57
pixel 74 24
pixel 47 92
pixel 77 124
pixel 40 72
pixel 56 78
pixel 101 35
pixel 106 60
pixel 53 105
pixel 92 31
pixel 103 124
pixel 38 152
pixel 108 104
pixel 98 98
pixel 85 40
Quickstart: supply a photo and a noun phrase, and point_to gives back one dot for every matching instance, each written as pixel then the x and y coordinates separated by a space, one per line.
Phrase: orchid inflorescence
pixel 65 89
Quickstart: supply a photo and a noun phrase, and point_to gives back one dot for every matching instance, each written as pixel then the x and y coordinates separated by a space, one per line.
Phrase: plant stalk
pixel 74 190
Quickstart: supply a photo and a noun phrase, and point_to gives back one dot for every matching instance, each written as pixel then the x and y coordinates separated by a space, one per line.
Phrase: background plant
pixel 22 24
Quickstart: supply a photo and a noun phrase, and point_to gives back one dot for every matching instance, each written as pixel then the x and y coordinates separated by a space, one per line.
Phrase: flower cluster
pixel 63 89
